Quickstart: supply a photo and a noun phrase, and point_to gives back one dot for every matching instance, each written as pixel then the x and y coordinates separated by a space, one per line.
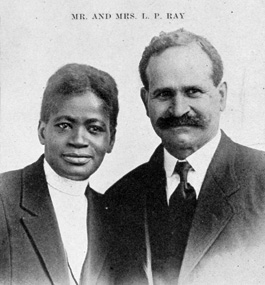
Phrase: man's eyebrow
pixel 192 86
pixel 163 89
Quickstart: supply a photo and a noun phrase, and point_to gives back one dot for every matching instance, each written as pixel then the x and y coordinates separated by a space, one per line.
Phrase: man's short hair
pixel 180 37
pixel 76 79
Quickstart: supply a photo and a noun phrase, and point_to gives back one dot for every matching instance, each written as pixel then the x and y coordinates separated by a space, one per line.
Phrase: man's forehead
pixel 180 55
pixel 189 63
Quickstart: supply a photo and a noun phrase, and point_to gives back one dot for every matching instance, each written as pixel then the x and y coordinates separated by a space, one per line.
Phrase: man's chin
pixel 179 137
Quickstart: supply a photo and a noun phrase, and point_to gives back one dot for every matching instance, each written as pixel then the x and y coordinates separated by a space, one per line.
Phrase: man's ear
pixel 144 96
pixel 223 95
pixel 112 141
pixel 41 132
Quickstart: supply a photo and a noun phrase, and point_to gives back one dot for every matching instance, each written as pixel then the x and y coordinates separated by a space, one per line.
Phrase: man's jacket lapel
pixel 41 225
pixel 214 209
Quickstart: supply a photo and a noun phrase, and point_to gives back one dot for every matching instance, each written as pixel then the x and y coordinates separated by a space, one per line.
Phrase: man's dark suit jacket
pixel 31 248
pixel 226 241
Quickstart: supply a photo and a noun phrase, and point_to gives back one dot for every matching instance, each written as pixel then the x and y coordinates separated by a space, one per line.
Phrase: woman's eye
pixel 95 129
pixel 64 126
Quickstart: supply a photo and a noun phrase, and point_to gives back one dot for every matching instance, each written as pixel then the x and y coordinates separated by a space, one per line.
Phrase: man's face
pixel 182 102
pixel 77 137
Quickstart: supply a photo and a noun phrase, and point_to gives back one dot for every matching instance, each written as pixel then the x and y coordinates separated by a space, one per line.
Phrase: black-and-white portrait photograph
pixel 132 142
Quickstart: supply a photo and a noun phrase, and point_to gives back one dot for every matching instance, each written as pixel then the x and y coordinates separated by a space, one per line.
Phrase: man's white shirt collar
pixel 199 161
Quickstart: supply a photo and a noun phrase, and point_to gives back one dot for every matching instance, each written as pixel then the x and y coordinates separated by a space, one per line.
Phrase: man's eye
pixel 64 126
pixel 193 92
pixel 164 94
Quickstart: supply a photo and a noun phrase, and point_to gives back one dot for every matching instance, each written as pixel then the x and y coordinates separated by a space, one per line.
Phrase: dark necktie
pixel 184 190
pixel 170 227
pixel 182 206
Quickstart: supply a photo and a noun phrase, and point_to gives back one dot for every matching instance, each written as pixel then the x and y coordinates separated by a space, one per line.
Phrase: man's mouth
pixel 78 159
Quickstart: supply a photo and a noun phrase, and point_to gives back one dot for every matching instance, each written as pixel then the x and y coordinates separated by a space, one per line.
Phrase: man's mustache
pixel 185 120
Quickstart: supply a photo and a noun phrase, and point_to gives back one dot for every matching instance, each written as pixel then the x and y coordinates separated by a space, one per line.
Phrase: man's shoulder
pixel 134 180
pixel 126 198
pixel 131 180
pixel 249 156
pixel 245 165
pixel 240 155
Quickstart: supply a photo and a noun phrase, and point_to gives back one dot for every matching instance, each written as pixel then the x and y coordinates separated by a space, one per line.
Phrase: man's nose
pixel 79 137
pixel 179 105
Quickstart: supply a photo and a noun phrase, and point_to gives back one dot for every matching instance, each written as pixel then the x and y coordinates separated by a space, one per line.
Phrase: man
pixel 193 213
pixel 51 226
